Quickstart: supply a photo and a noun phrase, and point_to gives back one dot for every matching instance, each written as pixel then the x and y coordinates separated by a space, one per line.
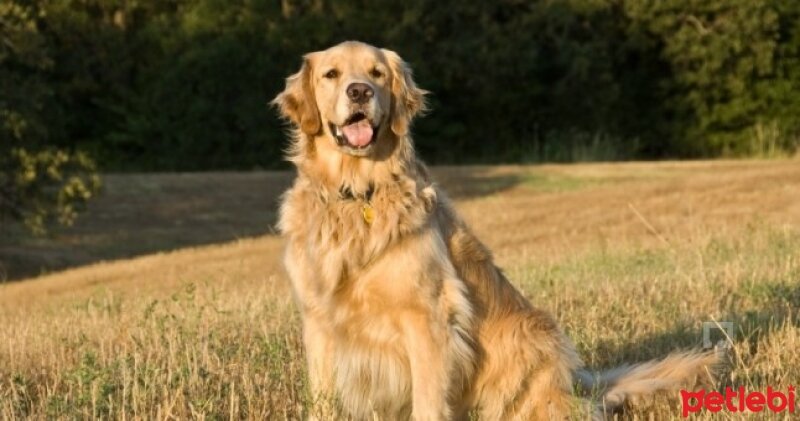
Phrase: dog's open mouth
pixel 356 132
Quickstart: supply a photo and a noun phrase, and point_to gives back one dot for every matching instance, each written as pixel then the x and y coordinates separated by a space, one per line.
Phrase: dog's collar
pixel 346 193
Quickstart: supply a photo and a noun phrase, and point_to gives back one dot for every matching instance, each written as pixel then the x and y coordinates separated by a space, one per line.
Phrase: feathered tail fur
pixel 630 383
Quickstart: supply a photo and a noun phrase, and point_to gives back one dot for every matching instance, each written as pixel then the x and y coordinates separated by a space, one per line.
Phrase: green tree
pixel 725 84
pixel 181 85
pixel 39 184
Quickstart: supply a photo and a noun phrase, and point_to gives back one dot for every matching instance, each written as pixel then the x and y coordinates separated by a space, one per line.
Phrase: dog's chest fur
pixel 365 279
pixel 334 232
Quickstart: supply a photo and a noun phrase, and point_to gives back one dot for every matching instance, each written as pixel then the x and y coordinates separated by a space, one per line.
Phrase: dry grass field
pixel 207 329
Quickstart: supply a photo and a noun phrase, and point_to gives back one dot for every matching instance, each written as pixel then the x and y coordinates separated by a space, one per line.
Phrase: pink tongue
pixel 359 133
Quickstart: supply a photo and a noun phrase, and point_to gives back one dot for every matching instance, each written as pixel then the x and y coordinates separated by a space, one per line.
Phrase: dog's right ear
pixel 297 102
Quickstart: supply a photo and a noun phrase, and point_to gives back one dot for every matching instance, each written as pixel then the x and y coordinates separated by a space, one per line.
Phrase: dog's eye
pixel 332 74
pixel 375 73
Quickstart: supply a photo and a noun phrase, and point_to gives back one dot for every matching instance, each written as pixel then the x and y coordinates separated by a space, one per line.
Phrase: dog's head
pixel 353 95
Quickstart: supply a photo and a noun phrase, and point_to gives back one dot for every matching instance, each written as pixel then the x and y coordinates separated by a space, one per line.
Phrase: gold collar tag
pixel 368 213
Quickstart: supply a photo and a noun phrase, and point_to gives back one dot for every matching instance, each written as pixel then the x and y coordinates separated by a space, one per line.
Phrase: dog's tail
pixel 630 383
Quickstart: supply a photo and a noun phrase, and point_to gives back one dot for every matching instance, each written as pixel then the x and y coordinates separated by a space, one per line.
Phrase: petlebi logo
pixel 739 400
pixel 734 400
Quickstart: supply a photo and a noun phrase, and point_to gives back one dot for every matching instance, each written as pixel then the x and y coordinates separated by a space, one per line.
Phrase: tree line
pixel 183 85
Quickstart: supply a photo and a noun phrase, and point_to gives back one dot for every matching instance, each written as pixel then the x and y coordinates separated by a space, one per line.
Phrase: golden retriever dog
pixel 405 315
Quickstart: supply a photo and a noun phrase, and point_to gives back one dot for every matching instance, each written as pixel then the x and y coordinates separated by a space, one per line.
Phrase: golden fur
pixel 407 316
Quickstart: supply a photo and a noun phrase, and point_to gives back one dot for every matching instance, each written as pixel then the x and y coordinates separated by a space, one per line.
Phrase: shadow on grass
pixel 139 214
pixel 463 183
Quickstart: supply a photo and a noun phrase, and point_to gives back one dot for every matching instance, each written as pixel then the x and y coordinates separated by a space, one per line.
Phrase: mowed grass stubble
pixel 631 258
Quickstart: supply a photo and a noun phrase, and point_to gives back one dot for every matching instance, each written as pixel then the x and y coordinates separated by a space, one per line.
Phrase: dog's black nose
pixel 359 92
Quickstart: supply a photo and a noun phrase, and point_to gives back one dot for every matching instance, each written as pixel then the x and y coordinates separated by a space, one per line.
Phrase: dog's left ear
pixel 407 99
pixel 297 101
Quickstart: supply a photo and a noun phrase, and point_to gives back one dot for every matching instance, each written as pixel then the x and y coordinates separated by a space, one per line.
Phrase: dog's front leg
pixel 319 355
pixel 426 344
